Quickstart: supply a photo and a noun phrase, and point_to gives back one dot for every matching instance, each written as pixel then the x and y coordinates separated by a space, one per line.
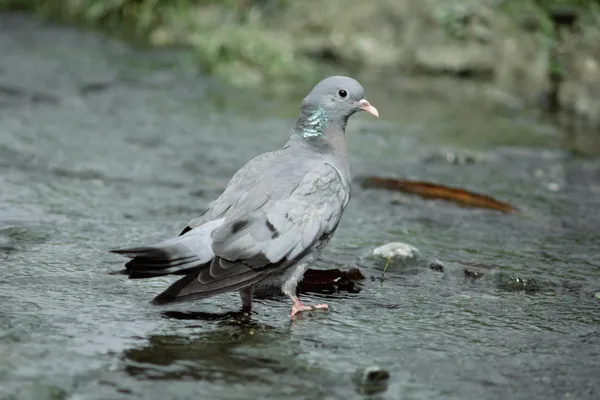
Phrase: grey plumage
pixel 275 215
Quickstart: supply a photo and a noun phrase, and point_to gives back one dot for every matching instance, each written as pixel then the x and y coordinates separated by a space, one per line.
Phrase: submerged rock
pixel 371 380
pixel 394 256
pixel 512 283
pixel 42 391
pixel 437 265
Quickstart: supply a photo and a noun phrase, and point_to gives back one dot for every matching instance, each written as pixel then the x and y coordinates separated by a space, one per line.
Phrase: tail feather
pixel 149 263
pixel 177 256
pixel 191 255
pixel 155 274
pixel 189 287
pixel 161 261
pixel 133 251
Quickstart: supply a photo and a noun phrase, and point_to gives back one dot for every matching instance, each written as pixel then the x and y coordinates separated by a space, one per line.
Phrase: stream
pixel 103 146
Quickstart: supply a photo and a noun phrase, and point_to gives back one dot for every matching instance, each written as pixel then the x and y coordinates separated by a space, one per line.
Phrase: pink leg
pixel 298 306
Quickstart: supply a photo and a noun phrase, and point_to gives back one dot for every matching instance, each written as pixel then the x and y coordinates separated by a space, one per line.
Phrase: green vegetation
pixel 129 15
pixel 229 37
pixel 248 42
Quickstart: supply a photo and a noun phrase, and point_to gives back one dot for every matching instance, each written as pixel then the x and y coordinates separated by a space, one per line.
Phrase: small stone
pixel 455 157
pixel 437 265
pixel 459 159
pixel 371 380
pixel 597 296
pixel 513 283
pixel 474 274
pixel 396 251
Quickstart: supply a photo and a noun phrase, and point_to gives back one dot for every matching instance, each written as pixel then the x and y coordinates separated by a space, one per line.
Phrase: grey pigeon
pixel 275 215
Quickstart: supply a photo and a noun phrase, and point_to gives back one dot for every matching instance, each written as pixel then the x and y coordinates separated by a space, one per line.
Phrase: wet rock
pixel 437 265
pixel 371 380
pixel 324 281
pixel 460 159
pixel 330 281
pixel 474 274
pixel 514 283
pixel 396 252
pixel 20 235
pixel 476 270
pixel 597 296
pixel 455 158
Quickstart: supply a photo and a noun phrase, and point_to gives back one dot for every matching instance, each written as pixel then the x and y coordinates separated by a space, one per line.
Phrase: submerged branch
pixel 428 190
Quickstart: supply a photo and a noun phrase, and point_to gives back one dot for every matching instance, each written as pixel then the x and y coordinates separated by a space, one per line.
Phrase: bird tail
pixel 178 256
pixel 189 254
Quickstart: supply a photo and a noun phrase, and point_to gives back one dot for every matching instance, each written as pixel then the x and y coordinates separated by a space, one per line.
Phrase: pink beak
pixel 366 106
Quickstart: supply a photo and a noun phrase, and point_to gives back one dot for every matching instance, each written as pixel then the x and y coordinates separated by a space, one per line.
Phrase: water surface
pixel 104 146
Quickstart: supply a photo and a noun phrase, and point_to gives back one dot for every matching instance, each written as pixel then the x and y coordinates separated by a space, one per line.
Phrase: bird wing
pixel 268 228
pixel 246 178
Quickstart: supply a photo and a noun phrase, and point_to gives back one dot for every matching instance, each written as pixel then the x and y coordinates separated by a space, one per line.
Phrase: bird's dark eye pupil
pixel 343 93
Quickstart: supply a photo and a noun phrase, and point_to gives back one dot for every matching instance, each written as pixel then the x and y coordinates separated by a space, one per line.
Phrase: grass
pixel 385 268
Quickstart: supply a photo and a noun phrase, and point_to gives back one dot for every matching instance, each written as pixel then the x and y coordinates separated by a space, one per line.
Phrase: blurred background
pixel 474 221
pixel 539 53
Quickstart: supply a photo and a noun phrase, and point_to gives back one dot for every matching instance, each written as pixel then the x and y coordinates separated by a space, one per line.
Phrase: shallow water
pixel 102 146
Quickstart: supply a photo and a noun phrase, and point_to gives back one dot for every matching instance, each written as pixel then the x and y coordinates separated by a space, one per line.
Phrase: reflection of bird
pixel 276 214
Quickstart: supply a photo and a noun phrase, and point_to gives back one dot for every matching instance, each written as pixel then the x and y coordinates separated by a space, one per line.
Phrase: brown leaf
pixel 428 190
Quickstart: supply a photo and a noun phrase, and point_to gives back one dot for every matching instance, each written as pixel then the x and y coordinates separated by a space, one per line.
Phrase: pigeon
pixel 275 216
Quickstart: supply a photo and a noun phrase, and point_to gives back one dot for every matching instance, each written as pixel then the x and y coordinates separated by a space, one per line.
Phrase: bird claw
pixel 298 307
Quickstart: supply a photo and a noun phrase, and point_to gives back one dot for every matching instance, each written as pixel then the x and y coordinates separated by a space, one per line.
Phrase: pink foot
pixel 298 307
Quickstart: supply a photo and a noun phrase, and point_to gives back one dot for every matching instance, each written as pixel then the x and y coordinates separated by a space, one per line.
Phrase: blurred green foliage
pixel 140 14
pixel 233 39
pixel 228 36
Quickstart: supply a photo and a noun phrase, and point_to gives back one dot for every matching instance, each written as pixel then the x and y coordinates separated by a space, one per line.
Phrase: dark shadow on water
pixel 241 316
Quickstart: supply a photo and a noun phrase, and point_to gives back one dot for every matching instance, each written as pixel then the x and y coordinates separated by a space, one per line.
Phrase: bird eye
pixel 343 93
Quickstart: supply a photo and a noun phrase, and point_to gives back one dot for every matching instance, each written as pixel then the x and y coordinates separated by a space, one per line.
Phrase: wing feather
pixel 285 228
pixel 261 227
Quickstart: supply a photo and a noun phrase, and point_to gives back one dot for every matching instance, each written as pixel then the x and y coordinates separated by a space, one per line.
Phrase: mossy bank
pixel 545 52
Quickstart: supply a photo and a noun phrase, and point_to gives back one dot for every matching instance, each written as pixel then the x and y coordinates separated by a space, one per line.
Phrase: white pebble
pixel 396 250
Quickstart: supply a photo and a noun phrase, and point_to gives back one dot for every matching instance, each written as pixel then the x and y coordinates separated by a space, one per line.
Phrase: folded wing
pixel 263 233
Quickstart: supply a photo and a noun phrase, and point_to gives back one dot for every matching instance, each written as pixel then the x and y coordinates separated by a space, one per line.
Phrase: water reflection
pixel 222 355
pixel 241 315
